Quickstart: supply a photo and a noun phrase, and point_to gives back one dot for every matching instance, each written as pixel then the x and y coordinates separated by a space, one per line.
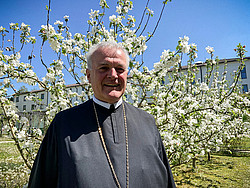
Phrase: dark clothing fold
pixel 72 155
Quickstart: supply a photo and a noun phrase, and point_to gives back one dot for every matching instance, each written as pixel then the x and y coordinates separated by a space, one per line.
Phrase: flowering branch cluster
pixel 194 115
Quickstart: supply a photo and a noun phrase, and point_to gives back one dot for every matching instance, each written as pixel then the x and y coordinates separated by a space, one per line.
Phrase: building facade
pixel 228 65
pixel 24 105
pixel 34 110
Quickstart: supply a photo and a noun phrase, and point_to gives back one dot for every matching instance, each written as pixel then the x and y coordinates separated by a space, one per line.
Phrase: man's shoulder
pixel 137 111
pixel 140 119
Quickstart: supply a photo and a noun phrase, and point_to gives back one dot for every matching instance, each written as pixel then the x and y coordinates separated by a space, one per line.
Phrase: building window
pixel 24 107
pixel 243 73
pixel 42 96
pixel 17 99
pixel 24 98
pixel 33 106
pixel 76 90
pixel 244 88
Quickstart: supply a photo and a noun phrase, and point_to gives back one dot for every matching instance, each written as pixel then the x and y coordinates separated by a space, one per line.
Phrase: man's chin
pixel 114 96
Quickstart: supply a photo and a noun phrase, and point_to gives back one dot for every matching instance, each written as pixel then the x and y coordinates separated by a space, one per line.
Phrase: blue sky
pixel 221 24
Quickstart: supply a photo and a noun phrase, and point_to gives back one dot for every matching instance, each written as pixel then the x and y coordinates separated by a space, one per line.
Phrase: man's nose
pixel 112 73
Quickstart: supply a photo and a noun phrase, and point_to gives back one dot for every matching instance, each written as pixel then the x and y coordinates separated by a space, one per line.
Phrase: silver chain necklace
pixel 106 151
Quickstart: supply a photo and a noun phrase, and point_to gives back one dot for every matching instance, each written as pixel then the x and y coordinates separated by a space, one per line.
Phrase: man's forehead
pixel 109 55
pixel 111 62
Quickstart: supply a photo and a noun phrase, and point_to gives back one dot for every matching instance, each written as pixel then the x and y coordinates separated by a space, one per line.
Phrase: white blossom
pixel 66 17
pixel 119 9
pixel 112 18
pixel 55 45
pixel 209 49
pixel 21 135
pixel 204 87
pixel 93 14
pixel 58 22
pixel 1 28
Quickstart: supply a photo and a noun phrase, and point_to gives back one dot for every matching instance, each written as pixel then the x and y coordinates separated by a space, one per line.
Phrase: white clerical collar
pixel 105 104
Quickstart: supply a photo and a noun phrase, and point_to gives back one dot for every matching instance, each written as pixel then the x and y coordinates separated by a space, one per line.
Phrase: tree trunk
pixel 208 156
pixel 194 163
pixel 1 134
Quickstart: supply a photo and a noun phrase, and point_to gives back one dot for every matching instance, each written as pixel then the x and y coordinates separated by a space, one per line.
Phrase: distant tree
pixel 22 89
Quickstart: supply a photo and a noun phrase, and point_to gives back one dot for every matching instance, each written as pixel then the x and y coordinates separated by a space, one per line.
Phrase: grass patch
pixel 5 138
pixel 221 171
pixel 13 172
pixel 245 144
pixel 239 147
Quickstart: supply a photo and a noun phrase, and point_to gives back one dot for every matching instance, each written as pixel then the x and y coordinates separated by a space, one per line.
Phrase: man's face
pixel 108 75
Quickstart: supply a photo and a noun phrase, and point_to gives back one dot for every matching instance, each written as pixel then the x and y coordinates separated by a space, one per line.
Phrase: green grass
pixel 13 172
pixel 221 171
pixel 245 143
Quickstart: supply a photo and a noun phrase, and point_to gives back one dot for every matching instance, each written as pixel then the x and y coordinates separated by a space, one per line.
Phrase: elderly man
pixel 104 142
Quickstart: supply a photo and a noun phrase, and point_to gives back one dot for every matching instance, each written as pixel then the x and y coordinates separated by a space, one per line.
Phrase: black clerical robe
pixel 71 154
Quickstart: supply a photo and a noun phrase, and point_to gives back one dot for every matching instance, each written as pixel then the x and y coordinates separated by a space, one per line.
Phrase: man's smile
pixel 112 85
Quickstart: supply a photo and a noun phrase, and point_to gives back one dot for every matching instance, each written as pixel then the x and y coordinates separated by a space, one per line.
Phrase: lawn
pixel 221 171
pixel 13 172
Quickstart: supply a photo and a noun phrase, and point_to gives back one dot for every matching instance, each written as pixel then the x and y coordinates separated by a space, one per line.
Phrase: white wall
pixel 45 100
pixel 231 66
pixel 42 94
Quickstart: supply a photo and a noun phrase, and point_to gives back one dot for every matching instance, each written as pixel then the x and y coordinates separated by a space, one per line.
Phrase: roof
pixel 40 90
pixel 221 61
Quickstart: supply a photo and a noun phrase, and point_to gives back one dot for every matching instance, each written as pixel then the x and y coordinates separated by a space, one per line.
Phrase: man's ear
pixel 88 75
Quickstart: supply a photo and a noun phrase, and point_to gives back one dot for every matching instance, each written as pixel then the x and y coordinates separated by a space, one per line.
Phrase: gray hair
pixel 105 44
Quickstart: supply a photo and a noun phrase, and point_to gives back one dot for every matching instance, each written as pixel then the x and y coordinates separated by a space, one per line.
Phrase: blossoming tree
pixel 193 116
